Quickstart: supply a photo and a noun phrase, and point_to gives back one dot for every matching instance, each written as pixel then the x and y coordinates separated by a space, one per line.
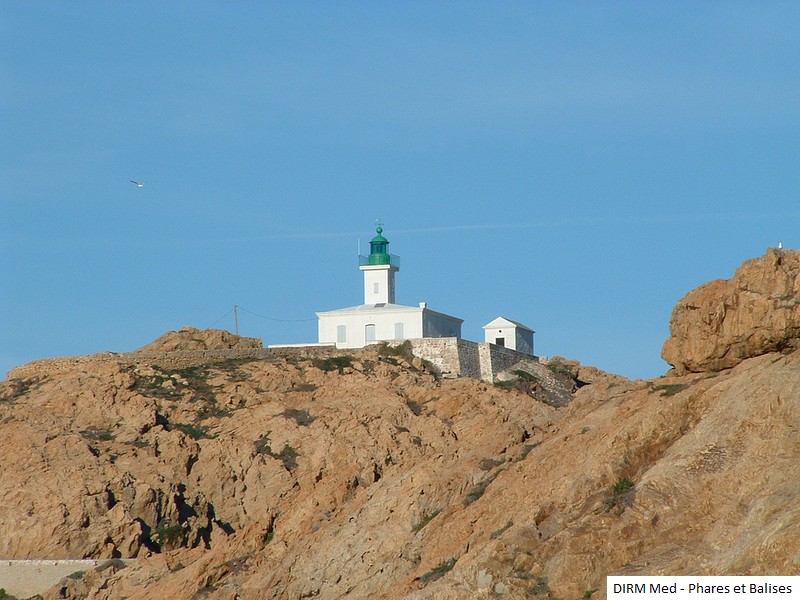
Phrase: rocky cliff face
pixel 363 476
pixel 723 322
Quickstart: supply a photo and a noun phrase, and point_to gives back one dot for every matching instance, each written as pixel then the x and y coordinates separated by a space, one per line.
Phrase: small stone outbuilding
pixel 510 334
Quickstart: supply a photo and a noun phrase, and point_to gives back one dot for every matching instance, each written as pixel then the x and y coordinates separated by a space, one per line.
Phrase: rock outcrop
pixel 190 338
pixel 721 323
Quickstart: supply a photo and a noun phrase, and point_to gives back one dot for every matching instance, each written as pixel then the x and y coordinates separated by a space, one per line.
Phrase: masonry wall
pixel 456 357
pixel 453 356
pixel 496 359
pixel 524 341
pixel 469 359
pixel 442 352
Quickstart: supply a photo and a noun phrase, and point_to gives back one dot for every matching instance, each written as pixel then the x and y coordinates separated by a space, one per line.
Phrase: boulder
pixel 723 322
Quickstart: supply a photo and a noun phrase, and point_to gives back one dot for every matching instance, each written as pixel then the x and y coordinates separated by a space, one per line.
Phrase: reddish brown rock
pixel 190 338
pixel 361 478
pixel 721 323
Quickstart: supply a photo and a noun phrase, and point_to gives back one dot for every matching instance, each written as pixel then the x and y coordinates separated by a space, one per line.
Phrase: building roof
pixel 385 307
pixel 379 239
pixel 381 306
pixel 503 322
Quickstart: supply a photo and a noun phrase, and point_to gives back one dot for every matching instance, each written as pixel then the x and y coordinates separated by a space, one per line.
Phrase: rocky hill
pixel 363 475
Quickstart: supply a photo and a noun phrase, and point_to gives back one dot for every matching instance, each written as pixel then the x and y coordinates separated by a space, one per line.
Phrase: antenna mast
pixel 236 317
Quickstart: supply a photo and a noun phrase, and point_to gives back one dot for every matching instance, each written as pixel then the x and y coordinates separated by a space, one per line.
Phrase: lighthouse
pixel 379 269
pixel 380 318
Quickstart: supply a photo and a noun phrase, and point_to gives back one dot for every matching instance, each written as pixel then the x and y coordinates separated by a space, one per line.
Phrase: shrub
pixel 622 486
pixel 195 432
pixel 560 369
pixel 301 417
pixel 262 445
pixel 414 407
pixel 526 449
pixel 390 353
pixel 475 494
pixel 204 591
pixel 522 381
pixel 540 587
pixel 333 363
pixel 288 456
pixel 189 379
pixel 400 350
pixel 426 518
pixel 670 389
pixel 210 410
pixel 487 464
pixel 170 534
pixel 97 435
pixel 524 375
pixel 303 387
pixel 151 385
pixel 508 385
pixel 621 493
pixel 480 489
pixel 439 570
pixel 502 530
pixel 17 388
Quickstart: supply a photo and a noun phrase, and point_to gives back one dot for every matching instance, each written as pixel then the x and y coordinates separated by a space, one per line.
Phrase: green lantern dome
pixel 377 249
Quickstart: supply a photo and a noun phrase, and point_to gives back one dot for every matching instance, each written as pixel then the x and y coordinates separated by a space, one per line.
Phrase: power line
pixel 220 319
pixel 236 308
pixel 273 318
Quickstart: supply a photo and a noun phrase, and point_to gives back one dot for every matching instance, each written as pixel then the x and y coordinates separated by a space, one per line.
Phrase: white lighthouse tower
pixel 379 269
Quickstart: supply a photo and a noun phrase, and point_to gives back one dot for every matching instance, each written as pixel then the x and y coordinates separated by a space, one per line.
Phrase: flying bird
pixel 137 184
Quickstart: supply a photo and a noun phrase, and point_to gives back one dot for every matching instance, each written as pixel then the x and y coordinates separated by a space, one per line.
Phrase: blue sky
pixel 576 166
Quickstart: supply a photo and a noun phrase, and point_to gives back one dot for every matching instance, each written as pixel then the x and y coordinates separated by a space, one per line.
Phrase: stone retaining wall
pixel 496 359
pixel 441 352
pixel 26 578
pixel 174 360
pixel 454 357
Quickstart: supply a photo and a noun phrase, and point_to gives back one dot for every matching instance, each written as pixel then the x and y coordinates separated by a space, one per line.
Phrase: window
pixel 500 341
pixel 341 334
pixel 398 331
pixel 369 333
pixel 375 287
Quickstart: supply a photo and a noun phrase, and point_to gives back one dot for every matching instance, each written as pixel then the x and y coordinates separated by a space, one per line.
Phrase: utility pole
pixel 236 317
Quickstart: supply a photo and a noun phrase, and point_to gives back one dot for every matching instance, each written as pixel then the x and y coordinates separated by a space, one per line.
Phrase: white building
pixel 379 318
pixel 508 333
